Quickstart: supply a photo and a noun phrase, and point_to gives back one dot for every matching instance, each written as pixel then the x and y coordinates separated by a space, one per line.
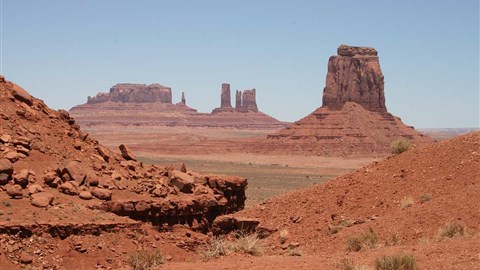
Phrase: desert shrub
pixel 394 240
pixel 396 262
pixel 346 264
pixel 399 146
pixel 425 197
pixel 217 247
pixel 294 251
pixel 143 260
pixel 283 236
pixel 333 229
pixel 366 240
pixel 248 243
pixel 406 202
pixel 452 229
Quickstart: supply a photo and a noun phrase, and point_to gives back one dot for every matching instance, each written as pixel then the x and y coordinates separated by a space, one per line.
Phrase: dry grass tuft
pixel 364 241
pixel 399 146
pixel 283 236
pixel 143 260
pixel 248 243
pixel 452 229
pixel 294 251
pixel 396 262
pixel 346 264
pixel 406 202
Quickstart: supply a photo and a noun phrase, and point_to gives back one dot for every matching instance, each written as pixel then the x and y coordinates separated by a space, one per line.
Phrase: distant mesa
pixel 142 104
pixel 245 101
pixel 129 92
pixel 353 118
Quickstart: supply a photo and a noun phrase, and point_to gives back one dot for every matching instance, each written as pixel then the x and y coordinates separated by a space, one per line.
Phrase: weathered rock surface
pixel 354 75
pixel 126 153
pixel 353 118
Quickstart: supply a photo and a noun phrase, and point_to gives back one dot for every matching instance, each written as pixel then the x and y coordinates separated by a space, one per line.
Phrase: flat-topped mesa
pixel 354 75
pixel 248 101
pixel 136 93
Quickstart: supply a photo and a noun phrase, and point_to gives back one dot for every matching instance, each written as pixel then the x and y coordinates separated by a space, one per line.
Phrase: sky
pixel 63 51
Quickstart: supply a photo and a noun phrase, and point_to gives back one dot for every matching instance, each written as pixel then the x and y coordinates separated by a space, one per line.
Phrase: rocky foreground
pixel 57 182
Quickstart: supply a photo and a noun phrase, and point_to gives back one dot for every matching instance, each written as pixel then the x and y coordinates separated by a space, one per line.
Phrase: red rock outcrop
pixel 138 93
pixel 45 156
pixel 354 75
pixel 246 101
pixel 353 118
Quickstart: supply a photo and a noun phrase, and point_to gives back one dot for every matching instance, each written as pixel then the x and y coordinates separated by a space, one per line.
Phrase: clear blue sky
pixel 63 51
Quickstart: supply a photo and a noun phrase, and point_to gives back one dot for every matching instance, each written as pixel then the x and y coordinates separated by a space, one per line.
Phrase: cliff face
pixel 354 75
pixel 137 93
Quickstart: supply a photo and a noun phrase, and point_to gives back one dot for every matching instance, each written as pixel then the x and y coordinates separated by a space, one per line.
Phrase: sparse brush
pixel 451 230
pixel 406 202
pixel 143 260
pixel 425 198
pixel 396 262
pixel 217 247
pixel 346 264
pixel 333 229
pixel 283 236
pixel 366 240
pixel 394 240
pixel 248 243
pixel 294 252
pixel 399 146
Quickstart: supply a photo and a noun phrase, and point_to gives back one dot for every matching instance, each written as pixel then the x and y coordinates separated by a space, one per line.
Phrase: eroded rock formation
pixel 354 75
pixel 353 118
pixel 139 93
pixel 245 101
pixel 248 101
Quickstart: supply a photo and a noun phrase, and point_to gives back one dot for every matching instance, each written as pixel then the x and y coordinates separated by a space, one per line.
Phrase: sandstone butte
pixel 151 105
pixel 60 182
pixel 353 118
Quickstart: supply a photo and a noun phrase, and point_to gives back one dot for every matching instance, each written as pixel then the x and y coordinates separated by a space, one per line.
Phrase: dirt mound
pixel 58 181
pixel 403 200
pixel 353 118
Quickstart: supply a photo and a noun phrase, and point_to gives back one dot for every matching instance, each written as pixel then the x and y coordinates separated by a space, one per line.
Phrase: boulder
pixel 41 199
pixel 76 172
pixel 69 188
pixel 126 153
pixel 24 177
pixel 5 138
pixel 6 171
pixel 32 189
pixel 184 182
pixel 26 258
pixel 14 191
pixel 104 153
pixel 102 194
pixel 13 156
pixel 22 95
pixel 85 195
